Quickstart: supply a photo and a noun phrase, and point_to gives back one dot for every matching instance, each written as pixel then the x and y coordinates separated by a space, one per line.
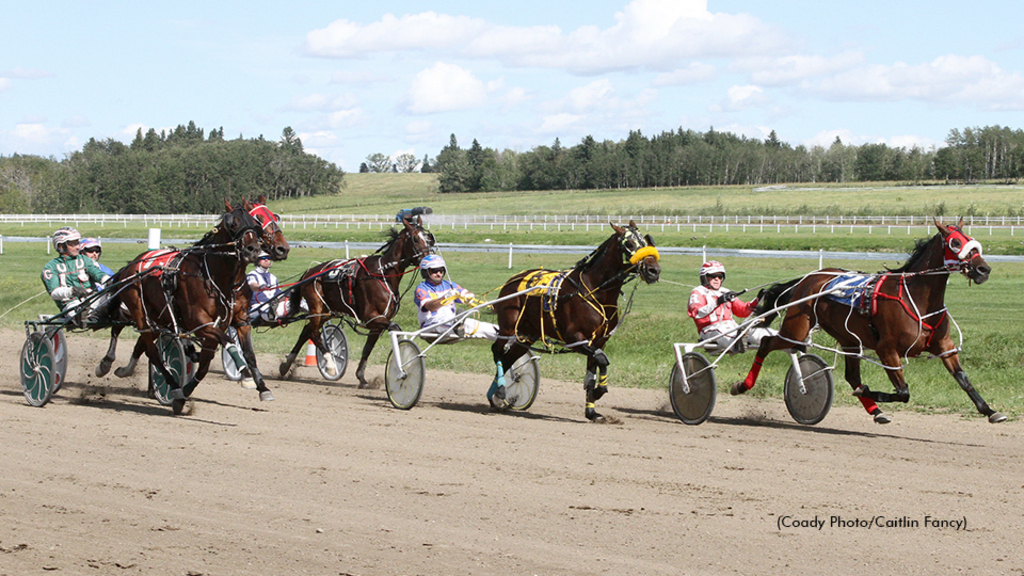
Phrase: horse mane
pixel 594 256
pixel 916 254
pixel 392 236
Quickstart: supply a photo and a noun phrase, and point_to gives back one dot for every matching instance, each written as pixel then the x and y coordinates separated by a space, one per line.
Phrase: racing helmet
pixel 711 267
pixel 262 256
pixel 89 243
pixel 63 236
pixel 431 262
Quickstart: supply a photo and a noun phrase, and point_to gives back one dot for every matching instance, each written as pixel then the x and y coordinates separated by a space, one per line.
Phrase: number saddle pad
pixel 855 290
pixel 546 284
pixel 343 272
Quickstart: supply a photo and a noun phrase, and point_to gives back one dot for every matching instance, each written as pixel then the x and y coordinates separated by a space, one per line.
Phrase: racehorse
pixel 576 308
pixel 190 292
pixel 364 288
pixel 902 314
pixel 273 242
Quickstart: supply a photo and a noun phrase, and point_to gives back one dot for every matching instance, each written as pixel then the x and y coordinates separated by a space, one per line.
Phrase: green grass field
pixel 641 350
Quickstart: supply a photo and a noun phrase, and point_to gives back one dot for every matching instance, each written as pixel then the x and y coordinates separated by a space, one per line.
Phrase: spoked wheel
pixel 810 402
pixel 522 382
pixel 38 369
pixel 334 339
pixel 60 357
pixel 231 371
pixel 178 363
pixel 403 376
pixel 693 400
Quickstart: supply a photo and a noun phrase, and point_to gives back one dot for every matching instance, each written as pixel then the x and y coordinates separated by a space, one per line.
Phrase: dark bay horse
pixel 903 315
pixel 365 289
pixel 273 242
pixel 578 309
pixel 191 292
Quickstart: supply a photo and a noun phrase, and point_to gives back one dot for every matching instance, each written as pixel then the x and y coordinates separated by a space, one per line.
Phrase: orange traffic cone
pixel 310 354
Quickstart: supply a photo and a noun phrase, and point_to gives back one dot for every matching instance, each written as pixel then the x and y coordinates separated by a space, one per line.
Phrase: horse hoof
pixel 102 368
pixel 248 383
pixel 738 388
pixel 123 372
pixel 178 406
pixel 266 396
pixel 882 418
pixel 996 418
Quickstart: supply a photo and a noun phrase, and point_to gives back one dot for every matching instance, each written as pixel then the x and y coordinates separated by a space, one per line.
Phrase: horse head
pixel 420 241
pixel 238 227
pixel 963 253
pixel 639 250
pixel 272 237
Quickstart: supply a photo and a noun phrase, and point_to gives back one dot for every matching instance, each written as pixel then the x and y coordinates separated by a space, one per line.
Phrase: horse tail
pixel 295 299
pixel 772 297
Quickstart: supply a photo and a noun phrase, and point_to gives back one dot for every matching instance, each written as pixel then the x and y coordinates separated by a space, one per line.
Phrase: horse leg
pixel 371 341
pixel 108 360
pixel 503 356
pixel 891 362
pixel 137 352
pixel 795 328
pixel 290 358
pixel 952 363
pixel 853 379
pixel 249 354
pixel 595 383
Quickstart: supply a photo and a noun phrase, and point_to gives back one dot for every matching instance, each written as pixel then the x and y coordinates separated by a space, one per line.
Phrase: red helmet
pixel 711 267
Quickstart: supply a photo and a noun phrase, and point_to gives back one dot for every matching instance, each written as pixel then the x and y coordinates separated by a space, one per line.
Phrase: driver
pixel 712 308
pixel 436 298
pixel 71 276
pixel 264 286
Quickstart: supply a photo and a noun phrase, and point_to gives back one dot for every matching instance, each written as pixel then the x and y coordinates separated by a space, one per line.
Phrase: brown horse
pixel 901 314
pixel 577 309
pixel 365 289
pixel 273 242
pixel 191 292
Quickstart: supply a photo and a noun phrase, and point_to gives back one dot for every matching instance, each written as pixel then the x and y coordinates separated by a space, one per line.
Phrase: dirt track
pixel 330 479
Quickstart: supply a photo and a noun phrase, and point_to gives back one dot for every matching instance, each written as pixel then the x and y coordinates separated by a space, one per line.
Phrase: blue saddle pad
pixel 853 287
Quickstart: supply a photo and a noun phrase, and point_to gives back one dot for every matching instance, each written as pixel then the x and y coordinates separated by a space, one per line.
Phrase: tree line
pixel 690 158
pixel 181 171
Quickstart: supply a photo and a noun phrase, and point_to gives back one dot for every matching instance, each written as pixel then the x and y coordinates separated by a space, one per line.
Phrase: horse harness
pixel 548 286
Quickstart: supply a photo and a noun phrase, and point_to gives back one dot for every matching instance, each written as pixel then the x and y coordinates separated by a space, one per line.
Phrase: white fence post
pixel 509 255
pixel 154 238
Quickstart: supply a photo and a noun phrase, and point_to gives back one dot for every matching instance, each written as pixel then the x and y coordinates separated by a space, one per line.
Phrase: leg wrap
pixel 755 369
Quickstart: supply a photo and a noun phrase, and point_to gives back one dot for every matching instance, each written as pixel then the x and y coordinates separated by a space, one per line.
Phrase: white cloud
pixel 794 68
pixel 28 73
pixel 947 79
pixel 322 103
pixel 740 98
pixel 648 34
pixel 557 123
pixel 443 88
pixel 513 98
pixel 346 118
pixel 695 72
pixel 825 138
pixel 429 30
pixel 5 84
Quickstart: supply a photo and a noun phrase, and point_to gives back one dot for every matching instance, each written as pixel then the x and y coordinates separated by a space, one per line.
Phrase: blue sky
pixel 357 78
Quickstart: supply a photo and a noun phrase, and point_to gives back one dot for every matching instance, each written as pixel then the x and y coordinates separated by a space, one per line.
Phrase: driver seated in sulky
pixel 436 298
pixel 712 308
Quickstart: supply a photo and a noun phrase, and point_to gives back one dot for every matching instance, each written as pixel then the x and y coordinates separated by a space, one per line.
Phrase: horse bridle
pixel 959 250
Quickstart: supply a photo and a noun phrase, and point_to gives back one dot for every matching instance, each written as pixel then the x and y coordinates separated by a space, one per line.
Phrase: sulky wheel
pixel 403 375
pixel 177 361
pixel 522 382
pixel 231 371
pixel 38 369
pixel 810 402
pixel 693 400
pixel 335 341
pixel 60 357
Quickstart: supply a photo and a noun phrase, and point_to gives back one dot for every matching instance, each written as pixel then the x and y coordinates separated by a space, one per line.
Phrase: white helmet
pixel 263 254
pixel 88 243
pixel 431 262
pixel 711 267
pixel 63 236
